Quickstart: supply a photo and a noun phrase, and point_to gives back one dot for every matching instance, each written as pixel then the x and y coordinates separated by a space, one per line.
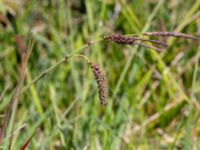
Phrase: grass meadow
pixel 50 98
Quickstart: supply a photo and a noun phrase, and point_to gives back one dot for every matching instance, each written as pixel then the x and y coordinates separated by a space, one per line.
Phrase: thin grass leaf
pixel 148 46
pixel 152 41
pixel 26 143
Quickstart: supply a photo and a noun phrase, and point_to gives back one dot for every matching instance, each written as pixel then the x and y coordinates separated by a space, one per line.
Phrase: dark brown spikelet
pixel 99 77
pixel 127 40
pixel 175 34
pixel 120 39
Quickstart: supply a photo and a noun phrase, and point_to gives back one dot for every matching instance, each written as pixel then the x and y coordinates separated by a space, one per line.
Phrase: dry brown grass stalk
pixel 175 34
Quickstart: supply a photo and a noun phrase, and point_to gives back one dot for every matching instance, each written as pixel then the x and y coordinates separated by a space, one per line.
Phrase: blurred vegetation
pixel 153 100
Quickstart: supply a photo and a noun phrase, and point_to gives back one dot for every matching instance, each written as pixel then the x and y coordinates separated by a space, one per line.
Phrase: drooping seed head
pixel 99 77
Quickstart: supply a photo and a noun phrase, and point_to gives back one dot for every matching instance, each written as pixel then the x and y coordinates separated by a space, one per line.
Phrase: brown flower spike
pixel 131 40
pixel 99 77
pixel 120 39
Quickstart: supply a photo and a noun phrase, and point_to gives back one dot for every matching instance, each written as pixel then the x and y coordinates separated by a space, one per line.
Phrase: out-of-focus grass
pixel 153 98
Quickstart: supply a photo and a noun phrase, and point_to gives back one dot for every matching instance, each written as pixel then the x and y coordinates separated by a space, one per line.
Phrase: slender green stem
pixel 3 93
pixel 84 46
pixel 65 58
pixel 82 56
pixel 46 71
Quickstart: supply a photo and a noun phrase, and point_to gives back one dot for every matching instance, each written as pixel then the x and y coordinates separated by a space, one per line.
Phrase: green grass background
pixel 153 100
